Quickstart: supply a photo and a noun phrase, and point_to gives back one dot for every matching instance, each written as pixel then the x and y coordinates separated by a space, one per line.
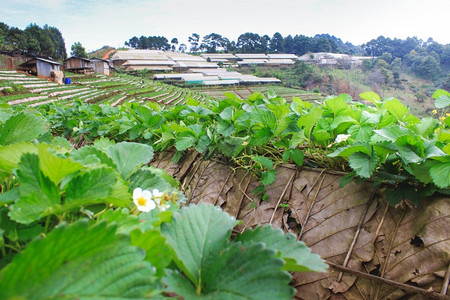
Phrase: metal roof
pixel 251 55
pixel 281 61
pixel 282 56
pixel 218 56
pixel 29 62
pixel 194 64
pixel 221 82
pixel 139 62
pixel 150 68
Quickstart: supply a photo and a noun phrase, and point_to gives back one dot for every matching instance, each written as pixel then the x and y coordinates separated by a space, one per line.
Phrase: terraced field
pixel 30 90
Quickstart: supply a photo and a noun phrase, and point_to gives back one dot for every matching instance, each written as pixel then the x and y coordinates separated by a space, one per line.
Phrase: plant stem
pixel 47 224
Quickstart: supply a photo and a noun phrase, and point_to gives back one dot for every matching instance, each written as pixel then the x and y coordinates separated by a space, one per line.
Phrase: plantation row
pixel 22 89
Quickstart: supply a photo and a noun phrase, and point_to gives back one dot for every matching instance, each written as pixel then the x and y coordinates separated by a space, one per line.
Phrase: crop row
pixel 99 89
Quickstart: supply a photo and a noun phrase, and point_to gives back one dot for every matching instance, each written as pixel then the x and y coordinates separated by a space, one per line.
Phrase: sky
pixel 96 23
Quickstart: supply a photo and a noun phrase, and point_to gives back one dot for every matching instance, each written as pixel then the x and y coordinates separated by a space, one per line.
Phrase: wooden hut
pixel 79 65
pixel 41 67
pixel 100 65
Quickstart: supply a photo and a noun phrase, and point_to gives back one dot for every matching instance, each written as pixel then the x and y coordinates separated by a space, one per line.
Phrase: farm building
pixel 100 65
pixel 183 66
pixel 247 62
pixel 324 58
pixel 225 58
pixel 42 67
pixel 78 65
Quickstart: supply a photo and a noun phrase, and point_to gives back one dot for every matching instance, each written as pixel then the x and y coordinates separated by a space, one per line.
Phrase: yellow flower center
pixel 141 201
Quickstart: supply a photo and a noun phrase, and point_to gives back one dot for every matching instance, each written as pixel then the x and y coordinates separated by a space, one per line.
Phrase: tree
pixel 430 68
pixel 277 43
pixel 182 48
pixel 59 45
pixel 211 42
pixel 250 42
pixel 288 44
pixel 194 40
pixel 322 45
pixel 78 50
pixel 133 42
pixel 174 43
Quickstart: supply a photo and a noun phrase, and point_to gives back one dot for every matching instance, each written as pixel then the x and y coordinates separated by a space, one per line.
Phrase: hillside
pixel 411 90
pixel 100 52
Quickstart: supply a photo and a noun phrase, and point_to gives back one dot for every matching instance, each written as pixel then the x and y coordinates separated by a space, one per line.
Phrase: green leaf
pixel 337 105
pixel 129 157
pixel 157 252
pixel 103 144
pixel 197 235
pixel 79 262
pixel 396 108
pixel 342 122
pixel 86 154
pixel 410 149
pixel 264 161
pixel 9 196
pixel 268 177
pixel 54 167
pixel 440 92
pixel 225 128
pixel 441 174
pixel 426 126
pixel 10 155
pixel 148 180
pixel 371 97
pixel 350 149
pixel 22 128
pixel 363 164
pixel 30 208
pixel 296 254
pixel 122 218
pixel 33 181
pixel 91 187
pixel 309 120
pixel 390 134
pixel 184 140
pixel 297 156
pixel 361 133
pixel 442 101
pixel 240 272
pixel 264 117
pixel 402 192
pixel 261 136
pixel 202 144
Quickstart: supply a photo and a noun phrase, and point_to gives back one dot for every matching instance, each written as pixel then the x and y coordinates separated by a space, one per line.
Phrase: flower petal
pixel 147 194
pixel 137 192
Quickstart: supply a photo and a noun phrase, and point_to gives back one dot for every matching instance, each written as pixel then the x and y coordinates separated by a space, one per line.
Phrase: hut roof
pixel 76 57
pixel 33 61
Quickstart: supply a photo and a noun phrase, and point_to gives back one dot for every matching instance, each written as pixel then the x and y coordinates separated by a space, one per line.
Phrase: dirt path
pixel 108 53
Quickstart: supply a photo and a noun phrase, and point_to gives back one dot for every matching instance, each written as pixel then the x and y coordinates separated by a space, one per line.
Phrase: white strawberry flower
pixel 158 197
pixel 341 138
pixel 143 200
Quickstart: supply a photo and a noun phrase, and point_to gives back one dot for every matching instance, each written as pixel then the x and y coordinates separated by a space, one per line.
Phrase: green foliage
pixel 216 268
pixel 21 128
pixel 78 50
pixel 47 186
pixel 296 254
pixel 79 261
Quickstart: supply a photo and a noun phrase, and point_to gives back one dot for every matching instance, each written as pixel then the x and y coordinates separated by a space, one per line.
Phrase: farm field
pixel 140 185
pixel 99 89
